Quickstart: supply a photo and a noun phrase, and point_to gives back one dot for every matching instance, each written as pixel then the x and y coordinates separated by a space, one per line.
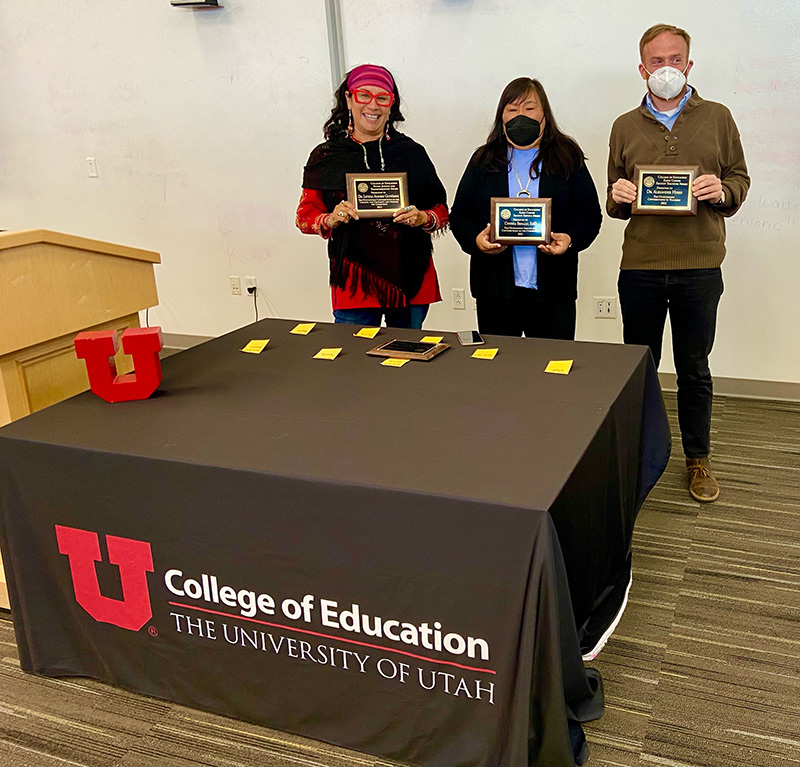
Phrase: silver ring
pixel 341 214
pixel 408 207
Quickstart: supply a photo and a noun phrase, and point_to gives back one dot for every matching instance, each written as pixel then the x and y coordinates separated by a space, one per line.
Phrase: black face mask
pixel 522 130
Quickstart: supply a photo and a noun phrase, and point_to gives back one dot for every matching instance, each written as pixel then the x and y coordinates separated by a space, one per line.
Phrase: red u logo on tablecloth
pixel 134 559
pixel 98 348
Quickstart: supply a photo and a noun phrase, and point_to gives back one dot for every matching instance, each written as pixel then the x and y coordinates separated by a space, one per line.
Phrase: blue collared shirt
pixel 665 119
pixel 525 272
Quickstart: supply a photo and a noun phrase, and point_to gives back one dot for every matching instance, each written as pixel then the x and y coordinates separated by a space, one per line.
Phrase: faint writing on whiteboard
pixel 770 225
pixel 790 203
pixel 777 214
pixel 768 213
pixel 247 228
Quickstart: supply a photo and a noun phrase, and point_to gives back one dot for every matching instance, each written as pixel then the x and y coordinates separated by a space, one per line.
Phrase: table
pixel 403 561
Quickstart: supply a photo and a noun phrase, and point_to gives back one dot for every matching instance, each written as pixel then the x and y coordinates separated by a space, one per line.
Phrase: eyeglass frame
pixel 372 97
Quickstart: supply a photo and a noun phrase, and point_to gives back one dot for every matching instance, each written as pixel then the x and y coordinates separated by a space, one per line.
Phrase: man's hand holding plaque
pixel 377 195
pixel 706 188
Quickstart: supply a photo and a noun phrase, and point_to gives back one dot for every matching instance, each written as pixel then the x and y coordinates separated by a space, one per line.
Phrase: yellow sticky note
pixel 255 347
pixel 562 367
pixel 367 333
pixel 327 354
pixel 485 354
pixel 303 329
pixel 432 339
pixel 394 362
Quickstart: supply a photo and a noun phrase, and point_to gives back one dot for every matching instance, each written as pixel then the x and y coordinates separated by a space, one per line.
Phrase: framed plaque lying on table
pixel 520 220
pixel 377 195
pixel 665 190
pixel 409 350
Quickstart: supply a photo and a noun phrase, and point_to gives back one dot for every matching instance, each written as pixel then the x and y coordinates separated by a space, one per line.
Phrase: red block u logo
pixel 98 348
pixel 134 559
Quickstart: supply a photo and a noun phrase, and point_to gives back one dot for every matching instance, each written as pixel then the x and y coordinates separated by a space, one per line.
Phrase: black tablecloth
pixel 394 560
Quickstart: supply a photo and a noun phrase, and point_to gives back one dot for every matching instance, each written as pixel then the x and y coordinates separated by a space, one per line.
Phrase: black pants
pixel 691 297
pixel 525 314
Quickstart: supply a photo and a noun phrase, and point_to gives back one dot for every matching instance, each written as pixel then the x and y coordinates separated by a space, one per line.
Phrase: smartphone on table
pixel 469 338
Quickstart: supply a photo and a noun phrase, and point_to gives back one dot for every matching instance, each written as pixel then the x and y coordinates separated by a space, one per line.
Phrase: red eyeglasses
pixel 382 99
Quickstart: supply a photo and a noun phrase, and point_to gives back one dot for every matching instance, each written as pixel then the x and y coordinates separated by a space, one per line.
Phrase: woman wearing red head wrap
pixel 379 267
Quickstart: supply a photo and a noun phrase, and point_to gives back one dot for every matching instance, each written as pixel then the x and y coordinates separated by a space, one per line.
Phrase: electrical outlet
pixel 605 307
pixel 459 298
pixel 91 167
pixel 236 286
pixel 250 285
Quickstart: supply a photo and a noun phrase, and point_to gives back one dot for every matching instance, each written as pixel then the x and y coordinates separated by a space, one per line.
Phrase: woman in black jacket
pixel 524 289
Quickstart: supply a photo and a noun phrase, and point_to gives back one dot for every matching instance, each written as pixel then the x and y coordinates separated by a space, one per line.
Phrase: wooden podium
pixel 52 287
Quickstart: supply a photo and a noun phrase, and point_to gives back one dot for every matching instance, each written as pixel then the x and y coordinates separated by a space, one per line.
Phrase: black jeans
pixel 691 297
pixel 526 314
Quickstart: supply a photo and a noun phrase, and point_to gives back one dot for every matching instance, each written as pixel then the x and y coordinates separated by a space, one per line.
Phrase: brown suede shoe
pixel 702 484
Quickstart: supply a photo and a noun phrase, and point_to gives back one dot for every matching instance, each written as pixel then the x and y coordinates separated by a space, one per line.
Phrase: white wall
pixel 201 123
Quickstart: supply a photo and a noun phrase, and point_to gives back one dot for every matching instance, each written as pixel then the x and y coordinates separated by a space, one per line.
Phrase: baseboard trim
pixel 725 387
pixel 745 388
pixel 181 341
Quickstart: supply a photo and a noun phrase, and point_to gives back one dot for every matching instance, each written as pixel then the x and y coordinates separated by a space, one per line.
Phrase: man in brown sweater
pixel 671 264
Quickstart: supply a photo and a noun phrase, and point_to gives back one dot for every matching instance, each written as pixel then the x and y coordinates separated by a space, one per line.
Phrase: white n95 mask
pixel 667 82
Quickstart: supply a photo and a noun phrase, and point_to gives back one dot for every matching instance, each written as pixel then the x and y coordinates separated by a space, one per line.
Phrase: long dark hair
pixel 559 153
pixel 336 124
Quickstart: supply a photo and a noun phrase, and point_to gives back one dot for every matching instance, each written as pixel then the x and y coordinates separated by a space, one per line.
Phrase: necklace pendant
pixel 523 193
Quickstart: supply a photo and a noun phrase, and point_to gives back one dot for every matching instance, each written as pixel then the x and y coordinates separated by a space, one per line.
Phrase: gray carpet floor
pixel 704 668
